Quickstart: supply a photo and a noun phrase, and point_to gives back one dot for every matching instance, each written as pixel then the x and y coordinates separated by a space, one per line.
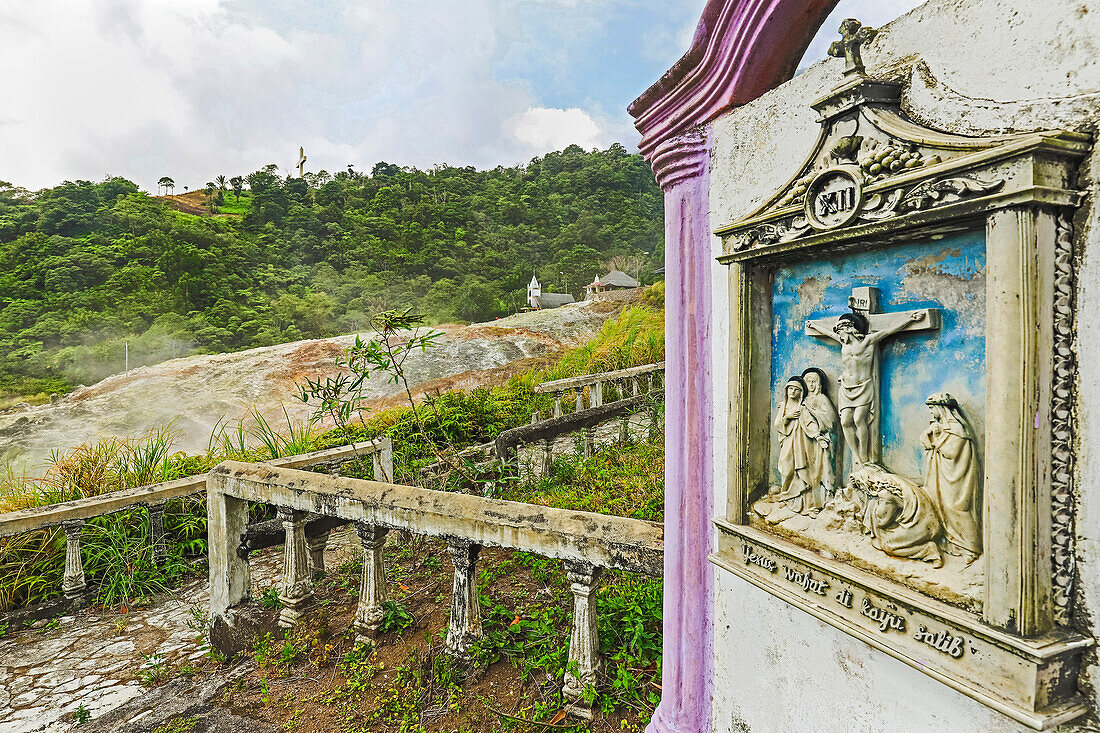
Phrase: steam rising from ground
pixel 194 393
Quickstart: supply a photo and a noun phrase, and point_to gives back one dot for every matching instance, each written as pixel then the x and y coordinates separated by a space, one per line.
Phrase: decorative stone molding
pixel 296 591
pixel 1002 636
pixel 741 49
pixel 74 584
pixel 584 640
pixel 373 589
pixel 465 623
pixel 1063 555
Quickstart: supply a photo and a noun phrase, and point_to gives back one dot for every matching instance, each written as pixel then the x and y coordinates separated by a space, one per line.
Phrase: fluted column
pixel 584 639
pixel 465 623
pixel 373 588
pixel 74 584
pixel 296 591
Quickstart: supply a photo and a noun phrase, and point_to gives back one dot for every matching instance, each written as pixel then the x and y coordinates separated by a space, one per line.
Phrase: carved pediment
pixel 872 164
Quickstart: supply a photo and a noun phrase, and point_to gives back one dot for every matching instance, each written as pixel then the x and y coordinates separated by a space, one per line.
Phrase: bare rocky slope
pixel 193 393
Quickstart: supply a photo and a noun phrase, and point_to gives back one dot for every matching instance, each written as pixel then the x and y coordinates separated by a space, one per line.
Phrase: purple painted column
pixel 685 706
pixel 741 49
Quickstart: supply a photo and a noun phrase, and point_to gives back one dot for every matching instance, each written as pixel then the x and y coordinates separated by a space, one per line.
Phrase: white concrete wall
pixel 992 66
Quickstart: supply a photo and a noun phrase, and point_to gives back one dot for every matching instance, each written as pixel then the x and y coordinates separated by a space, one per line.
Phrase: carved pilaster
pixel 1019 307
pixel 296 591
pixel 317 544
pixel 584 640
pixel 1062 427
pixel 465 623
pixel 74 584
pixel 373 588
pixel 156 531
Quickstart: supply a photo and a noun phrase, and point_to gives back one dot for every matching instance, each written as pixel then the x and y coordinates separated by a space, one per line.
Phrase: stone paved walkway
pixel 95 659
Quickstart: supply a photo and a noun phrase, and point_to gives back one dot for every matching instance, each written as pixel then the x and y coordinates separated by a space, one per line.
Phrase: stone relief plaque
pixel 901 376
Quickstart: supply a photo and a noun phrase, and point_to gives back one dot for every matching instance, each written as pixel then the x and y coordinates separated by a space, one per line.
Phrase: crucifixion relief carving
pixel 860 333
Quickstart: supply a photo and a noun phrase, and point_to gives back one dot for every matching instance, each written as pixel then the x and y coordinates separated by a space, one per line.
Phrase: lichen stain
pixel 957 283
pixel 811 293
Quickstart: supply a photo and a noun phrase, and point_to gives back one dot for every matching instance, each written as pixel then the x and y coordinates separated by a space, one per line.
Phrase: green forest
pixel 87 269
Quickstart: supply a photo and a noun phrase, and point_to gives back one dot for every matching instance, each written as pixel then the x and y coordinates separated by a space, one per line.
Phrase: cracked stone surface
pixel 96 658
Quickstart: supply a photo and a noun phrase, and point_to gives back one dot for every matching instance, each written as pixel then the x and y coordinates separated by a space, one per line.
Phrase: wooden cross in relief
pixel 858 390
pixel 302 162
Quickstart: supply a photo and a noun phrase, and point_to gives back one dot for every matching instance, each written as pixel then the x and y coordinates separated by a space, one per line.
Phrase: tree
pixel 168 184
pixel 220 180
pixel 238 185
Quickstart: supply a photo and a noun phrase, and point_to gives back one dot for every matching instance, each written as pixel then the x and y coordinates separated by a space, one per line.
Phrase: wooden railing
pixel 587 543
pixel 71 515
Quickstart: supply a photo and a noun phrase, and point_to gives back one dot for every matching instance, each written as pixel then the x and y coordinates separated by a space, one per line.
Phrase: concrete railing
pixel 71 515
pixel 631 382
pixel 587 543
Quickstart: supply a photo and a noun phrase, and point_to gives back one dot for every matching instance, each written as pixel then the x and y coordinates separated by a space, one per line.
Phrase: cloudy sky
pixel 194 88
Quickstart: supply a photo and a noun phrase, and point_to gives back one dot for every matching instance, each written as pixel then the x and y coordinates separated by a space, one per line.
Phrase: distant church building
pixel 539 300
pixel 614 280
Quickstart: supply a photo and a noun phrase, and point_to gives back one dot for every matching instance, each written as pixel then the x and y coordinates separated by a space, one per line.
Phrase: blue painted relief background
pixel 947 273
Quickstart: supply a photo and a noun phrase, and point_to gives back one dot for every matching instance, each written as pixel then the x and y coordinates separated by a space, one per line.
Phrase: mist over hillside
pixel 92 271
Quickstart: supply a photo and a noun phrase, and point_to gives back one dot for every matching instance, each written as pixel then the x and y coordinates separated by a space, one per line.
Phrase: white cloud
pixel 542 129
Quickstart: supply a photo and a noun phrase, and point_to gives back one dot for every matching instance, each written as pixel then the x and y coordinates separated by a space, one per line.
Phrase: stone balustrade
pixel 587 543
pixel 635 389
pixel 629 382
pixel 72 515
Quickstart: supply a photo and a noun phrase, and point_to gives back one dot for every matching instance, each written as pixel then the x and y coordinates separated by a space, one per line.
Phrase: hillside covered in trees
pixel 86 267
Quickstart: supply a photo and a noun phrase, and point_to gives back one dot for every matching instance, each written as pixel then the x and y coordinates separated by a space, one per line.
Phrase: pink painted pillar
pixel 741 49
pixel 685 707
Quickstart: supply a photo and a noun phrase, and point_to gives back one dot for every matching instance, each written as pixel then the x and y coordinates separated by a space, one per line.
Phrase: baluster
pixel 624 429
pixel 296 591
pixel 557 404
pixel 547 457
pixel 465 624
pixel 637 385
pixel 387 461
pixel 589 441
pixel 74 584
pixel 317 545
pixel 156 531
pixel 373 588
pixel 580 398
pixel 596 395
pixel 534 418
pixel 584 640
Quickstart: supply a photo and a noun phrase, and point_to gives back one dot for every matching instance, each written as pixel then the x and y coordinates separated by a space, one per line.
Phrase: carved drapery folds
pixel 992 522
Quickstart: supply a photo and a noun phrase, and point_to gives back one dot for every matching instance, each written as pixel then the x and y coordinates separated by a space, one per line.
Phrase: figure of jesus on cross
pixel 859 333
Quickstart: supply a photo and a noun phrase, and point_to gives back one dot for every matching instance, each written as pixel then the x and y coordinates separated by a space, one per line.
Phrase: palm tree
pixel 220 180
pixel 168 183
pixel 238 185
pixel 210 188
